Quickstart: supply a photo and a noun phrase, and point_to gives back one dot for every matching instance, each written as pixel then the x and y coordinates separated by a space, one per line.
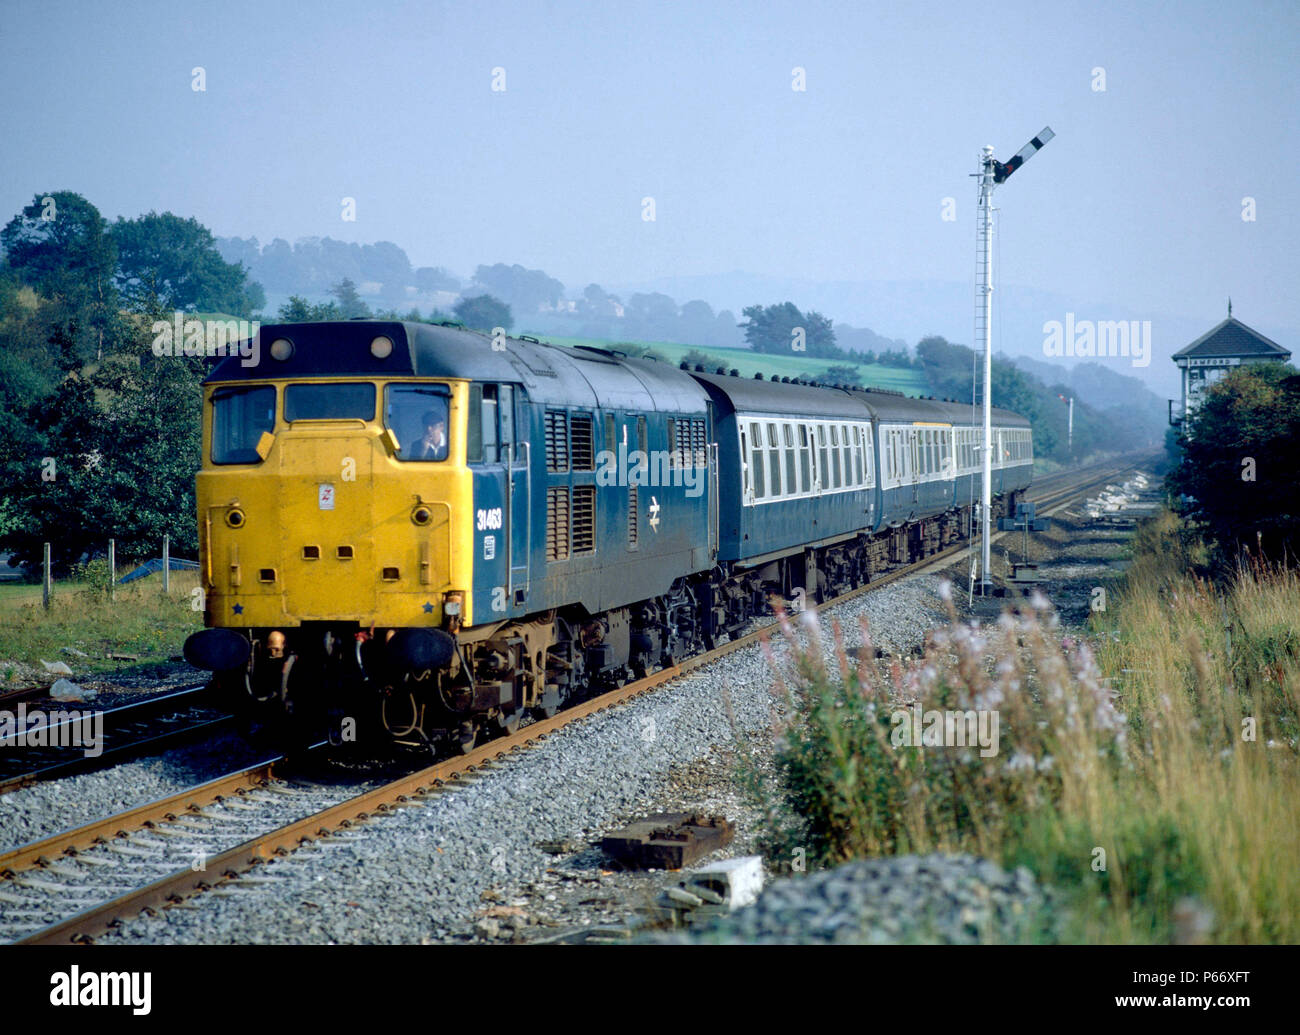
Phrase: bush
pixel 94 576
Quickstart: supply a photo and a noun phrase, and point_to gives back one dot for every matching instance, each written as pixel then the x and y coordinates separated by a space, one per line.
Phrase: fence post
pixel 167 564
pixel 45 580
pixel 112 569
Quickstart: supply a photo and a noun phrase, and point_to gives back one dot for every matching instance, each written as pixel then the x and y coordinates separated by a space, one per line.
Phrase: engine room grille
pixel 686 442
pixel 557 441
pixel 584 519
pixel 633 505
pixel 557 523
pixel 581 448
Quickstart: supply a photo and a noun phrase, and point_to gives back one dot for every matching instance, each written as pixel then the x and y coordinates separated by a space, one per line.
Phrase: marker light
pixel 381 347
pixel 281 349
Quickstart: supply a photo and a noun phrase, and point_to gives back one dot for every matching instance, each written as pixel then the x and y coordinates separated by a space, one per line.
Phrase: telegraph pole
pixel 991 174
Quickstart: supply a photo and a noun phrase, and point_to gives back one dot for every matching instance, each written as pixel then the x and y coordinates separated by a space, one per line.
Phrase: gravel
pixel 34 812
pixel 949 899
pixel 430 871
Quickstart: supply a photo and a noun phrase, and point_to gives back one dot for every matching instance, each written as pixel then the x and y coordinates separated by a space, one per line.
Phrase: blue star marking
pixel 428 608
pixel 239 609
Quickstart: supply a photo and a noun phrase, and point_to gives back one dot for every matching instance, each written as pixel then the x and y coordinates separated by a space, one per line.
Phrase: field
pixel 748 362
pixel 140 621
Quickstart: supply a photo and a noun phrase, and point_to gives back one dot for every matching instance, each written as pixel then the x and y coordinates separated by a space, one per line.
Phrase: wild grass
pixel 138 620
pixel 1148 771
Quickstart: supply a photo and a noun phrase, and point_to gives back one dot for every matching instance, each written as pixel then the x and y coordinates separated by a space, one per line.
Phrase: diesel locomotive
pixel 417 534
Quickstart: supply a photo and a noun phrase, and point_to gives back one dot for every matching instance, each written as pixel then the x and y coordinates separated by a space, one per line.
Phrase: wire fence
pixel 173 572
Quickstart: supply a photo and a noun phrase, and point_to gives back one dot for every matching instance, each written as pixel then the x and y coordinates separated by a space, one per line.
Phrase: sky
pixel 1135 208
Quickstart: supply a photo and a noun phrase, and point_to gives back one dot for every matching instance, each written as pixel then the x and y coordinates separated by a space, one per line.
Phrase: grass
pixel 140 621
pixel 1148 773
pixel 748 362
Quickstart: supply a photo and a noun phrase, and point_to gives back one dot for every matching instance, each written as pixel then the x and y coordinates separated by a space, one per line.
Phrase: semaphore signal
pixel 991 173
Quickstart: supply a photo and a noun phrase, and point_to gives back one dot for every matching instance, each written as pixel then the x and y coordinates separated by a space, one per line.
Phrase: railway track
pixel 213 810
pixel 160 721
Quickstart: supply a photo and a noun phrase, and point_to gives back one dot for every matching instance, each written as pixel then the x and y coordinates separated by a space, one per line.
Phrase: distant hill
pixel 1104 389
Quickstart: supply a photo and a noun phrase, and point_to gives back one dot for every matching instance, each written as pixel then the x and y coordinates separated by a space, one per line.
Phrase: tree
pixel 772 329
pixel 597 302
pixel 116 473
pixel 299 310
pixel 484 313
pixel 166 262
pixel 350 303
pixel 387 263
pixel 651 316
pixel 61 246
pixel 429 279
pixel 1237 463
pixel 697 322
pixel 522 289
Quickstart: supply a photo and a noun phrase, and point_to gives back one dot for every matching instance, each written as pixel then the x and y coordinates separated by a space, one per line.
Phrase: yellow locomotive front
pixel 334 527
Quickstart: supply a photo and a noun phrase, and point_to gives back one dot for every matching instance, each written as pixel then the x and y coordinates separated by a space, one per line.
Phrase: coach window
pixel 846 455
pixel 746 483
pixel 240 416
pixel 823 457
pixel 417 415
pixel 834 458
pixel 774 462
pixel 791 481
pixel 805 471
pixel 857 455
pixel 757 461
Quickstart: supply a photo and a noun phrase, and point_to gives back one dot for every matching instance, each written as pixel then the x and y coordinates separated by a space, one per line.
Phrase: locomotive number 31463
pixel 490 518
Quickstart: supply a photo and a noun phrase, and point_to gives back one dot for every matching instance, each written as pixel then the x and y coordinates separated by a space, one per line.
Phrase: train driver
pixel 432 444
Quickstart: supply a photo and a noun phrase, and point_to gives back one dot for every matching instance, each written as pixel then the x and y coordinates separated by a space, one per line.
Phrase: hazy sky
pixel 1137 203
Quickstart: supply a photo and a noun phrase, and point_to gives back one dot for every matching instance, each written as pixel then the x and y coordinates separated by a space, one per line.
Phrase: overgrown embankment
pixel 1147 772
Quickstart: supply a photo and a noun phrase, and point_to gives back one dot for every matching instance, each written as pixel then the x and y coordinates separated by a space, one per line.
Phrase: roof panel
pixel 1232 338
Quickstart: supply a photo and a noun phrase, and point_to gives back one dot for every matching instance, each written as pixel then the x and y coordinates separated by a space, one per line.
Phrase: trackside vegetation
pixel 1147 772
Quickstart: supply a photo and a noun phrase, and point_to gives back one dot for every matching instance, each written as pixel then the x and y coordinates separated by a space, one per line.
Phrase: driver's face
pixel 433 432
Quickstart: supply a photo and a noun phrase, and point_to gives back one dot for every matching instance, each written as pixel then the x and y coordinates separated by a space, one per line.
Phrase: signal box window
pixel 418 417
pixel 239 418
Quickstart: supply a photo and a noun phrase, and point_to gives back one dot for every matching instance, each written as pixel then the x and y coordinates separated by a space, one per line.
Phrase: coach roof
pixel 750 395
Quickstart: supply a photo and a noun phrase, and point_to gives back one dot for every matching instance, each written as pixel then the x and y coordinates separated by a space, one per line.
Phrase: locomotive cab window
pixel 417 415
pixel 328 401
pixel 239 418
